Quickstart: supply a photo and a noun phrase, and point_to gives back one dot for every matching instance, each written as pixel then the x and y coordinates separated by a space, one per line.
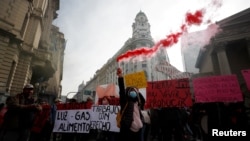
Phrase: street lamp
pixel 40 88
pixel 37 90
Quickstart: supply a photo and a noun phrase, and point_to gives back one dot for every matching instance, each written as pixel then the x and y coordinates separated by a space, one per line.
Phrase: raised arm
pixel 121 88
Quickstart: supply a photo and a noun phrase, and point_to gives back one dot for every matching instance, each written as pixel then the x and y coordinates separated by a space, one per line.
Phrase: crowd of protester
pixel 19 113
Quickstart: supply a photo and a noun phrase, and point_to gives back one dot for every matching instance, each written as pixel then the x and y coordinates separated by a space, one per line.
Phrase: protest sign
pixel 137 79
pixel 110 90
pixel 103 117
pixel 72 121
pixel 217 89
pixel 168 93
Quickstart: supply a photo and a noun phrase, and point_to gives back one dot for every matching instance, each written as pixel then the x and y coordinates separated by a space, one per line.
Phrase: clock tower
pixel 141 27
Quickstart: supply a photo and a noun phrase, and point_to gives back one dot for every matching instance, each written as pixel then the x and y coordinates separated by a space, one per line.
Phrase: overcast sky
pixel 96 29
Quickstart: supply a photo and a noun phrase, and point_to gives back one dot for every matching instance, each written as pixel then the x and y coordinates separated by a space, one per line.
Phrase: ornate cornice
pixel 233 34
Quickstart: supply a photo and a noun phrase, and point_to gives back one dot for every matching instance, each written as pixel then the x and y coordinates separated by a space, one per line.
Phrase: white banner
pixel 103 117
pixel 72 121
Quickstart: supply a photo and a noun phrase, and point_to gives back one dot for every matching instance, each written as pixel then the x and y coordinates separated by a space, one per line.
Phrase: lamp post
pixel 37 90
pixel 40 88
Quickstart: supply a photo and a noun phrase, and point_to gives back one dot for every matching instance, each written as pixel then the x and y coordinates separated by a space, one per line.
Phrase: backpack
pixel 119 116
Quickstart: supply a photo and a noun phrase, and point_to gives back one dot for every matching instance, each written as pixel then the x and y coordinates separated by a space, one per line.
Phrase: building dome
pixel 141 16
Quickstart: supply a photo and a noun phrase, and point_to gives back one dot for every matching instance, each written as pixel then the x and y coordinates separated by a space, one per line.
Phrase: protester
pixel 105 100
pixel 26 98
pixel 46 130
pixel 70 136
pixel 89 102
pixel 3 110
pixel 171 124
pixel 155 128
pixel 19 117
pixel 53 118
pixel 246 96
pixel 132 101
pixel 42 125
pixel 10 126
pixel 93 133
pixel 106 135
pixel 146 125
pixel 197 121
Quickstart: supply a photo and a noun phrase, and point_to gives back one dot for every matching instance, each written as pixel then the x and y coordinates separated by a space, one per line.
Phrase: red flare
pixel 191 19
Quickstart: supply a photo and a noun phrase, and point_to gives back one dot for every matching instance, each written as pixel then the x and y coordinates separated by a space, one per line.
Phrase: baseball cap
pixel 58 100
pixel 29 86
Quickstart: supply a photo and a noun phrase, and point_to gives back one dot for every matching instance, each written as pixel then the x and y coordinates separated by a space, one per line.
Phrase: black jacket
pixel 124 99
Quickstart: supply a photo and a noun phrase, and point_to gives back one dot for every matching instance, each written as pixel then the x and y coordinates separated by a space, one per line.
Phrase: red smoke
pixel 191 19
pixel 195 18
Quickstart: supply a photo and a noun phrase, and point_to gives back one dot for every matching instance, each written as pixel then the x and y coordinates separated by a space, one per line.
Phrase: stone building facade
pixel 31 48
pixel 141 37
pixel 229 52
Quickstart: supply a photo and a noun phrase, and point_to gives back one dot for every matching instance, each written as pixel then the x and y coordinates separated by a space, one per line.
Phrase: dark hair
pixel 128 89
pixel 107 97
pixel 72 100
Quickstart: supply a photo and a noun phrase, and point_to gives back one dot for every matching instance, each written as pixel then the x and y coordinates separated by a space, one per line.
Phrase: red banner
pixel 217 89
pixel 74 105
pixel 168 93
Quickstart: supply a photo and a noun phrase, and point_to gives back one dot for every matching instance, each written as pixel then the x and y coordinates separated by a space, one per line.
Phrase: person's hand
pixel 38 107
pixel 119 72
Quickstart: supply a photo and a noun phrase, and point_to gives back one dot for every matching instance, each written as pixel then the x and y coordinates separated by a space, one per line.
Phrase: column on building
pixel 222 58
pixel 248 46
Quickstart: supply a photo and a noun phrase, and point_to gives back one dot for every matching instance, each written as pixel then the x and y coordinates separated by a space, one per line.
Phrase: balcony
pixel 42 65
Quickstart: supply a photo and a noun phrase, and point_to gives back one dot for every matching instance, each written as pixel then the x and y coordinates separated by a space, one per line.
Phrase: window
pixel 144 65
